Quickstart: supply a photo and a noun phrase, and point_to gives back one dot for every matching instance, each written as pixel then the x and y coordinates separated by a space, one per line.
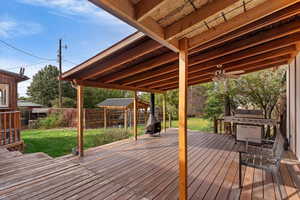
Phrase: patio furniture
pixel 264 158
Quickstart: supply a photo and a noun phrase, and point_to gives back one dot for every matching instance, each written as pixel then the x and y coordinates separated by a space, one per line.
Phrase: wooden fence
pixel 10 127
pixel 94 118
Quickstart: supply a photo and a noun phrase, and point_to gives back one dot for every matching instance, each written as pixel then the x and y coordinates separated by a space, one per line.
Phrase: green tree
pixel 214 105
pixel 66 102
pixel 262 89
pixel 258 90
pixel 44 86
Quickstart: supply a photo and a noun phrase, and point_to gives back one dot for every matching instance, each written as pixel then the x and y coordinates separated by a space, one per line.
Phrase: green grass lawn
pixel 58 142
pixel 197 124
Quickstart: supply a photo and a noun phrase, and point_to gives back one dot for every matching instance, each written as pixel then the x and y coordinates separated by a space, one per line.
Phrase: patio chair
pixel 264 158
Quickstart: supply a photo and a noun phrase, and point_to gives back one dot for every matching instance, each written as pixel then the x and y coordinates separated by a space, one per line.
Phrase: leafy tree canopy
pixel 44 86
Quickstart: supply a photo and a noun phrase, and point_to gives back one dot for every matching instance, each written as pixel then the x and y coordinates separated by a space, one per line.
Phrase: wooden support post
pixel 125 119
pixel 215 125
pixel 170 120
pixel 164 113
pixel 80 120
pixel 183 84
pixel 105 118
pixel 135 116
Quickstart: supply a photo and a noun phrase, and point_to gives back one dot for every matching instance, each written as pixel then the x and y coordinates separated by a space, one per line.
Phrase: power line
pixel 25 52
pixel 26 66
pixel 70 61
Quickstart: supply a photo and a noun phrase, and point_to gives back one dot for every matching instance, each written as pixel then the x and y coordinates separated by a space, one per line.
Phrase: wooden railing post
pixel 164 113
pixel 80 120
pixel 125 119
pixel 5 129
pixel 183 84
pixel 135 116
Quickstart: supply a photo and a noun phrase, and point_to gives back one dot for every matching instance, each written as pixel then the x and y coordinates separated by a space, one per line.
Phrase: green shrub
pixel 110 135
pixel 54 120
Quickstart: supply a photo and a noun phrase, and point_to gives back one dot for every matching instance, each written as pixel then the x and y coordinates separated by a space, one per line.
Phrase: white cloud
pixel 11 28
pixel 81 8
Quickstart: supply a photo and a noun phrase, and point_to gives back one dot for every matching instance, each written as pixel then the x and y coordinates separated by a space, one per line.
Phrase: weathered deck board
pixel 147 168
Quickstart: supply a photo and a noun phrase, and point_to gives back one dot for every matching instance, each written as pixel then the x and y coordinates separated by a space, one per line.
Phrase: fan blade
pixel 235 72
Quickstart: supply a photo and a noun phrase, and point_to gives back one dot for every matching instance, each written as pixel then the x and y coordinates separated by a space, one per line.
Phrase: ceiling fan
pixel 221 75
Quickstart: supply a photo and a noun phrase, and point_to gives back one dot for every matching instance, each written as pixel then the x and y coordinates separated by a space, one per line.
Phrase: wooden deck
pixel 145 169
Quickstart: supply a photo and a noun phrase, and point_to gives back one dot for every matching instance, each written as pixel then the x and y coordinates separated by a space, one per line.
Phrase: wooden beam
pixel 259 38
pixel 135 115
pixel 142 67
pixel 200 76
pixel 268 40
pixel 121 59
pixel 205 80
pixel 236 59
pixel 114 86
pixel 189 22
pixel 145 75
pixel 266 21
pixel 80 120
pixel 164 113
pixel 124 10
pixel 145 8
pixel 197 70
pixel 182 148
pixel 262 48
pixel 256 13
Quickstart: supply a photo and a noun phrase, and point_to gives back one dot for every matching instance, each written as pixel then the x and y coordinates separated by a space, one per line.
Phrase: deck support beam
pixel 80 120
pixel 164 113
pixel 135 116
pixel 183 84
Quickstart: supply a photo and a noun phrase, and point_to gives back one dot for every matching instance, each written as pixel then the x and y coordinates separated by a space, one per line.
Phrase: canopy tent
pixel 181 43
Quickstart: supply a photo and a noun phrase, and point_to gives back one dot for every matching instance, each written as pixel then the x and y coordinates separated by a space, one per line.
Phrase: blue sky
pixel 37 25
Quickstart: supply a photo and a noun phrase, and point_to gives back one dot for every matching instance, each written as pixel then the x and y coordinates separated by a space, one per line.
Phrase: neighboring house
pixel 23 104
pixel 10 125
pixel 9 89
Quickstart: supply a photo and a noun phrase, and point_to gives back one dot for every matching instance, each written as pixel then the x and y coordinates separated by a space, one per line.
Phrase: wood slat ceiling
pixel 145 65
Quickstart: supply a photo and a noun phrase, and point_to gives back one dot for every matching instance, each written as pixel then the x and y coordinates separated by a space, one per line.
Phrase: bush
pixel 54 120
pixel 110 135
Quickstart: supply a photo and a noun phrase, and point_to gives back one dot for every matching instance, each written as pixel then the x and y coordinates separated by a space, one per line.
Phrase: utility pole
pixel 59 60
pixel 59 56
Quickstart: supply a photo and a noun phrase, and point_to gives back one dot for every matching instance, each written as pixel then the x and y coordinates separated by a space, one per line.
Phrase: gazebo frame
pixel 139 104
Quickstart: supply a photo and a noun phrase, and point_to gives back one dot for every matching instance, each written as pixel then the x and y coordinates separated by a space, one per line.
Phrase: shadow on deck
pixel 145 169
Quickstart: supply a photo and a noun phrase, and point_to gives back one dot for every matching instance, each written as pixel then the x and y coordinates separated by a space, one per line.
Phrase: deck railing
pixel 10 127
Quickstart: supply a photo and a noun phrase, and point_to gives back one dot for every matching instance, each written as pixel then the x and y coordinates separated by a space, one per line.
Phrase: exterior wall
pixel 293 105
pixel 13 96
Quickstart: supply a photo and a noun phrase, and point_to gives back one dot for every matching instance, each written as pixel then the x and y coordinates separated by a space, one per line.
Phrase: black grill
pixel 153 125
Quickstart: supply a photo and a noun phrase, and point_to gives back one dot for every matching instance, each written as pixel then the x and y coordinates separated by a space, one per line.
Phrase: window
pixel 4 95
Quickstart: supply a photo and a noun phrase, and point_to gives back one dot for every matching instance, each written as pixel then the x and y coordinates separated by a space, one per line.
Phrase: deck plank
pixel 145 169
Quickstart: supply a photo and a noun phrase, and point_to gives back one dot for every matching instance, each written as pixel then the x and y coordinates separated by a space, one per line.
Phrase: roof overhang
pixel 256 38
